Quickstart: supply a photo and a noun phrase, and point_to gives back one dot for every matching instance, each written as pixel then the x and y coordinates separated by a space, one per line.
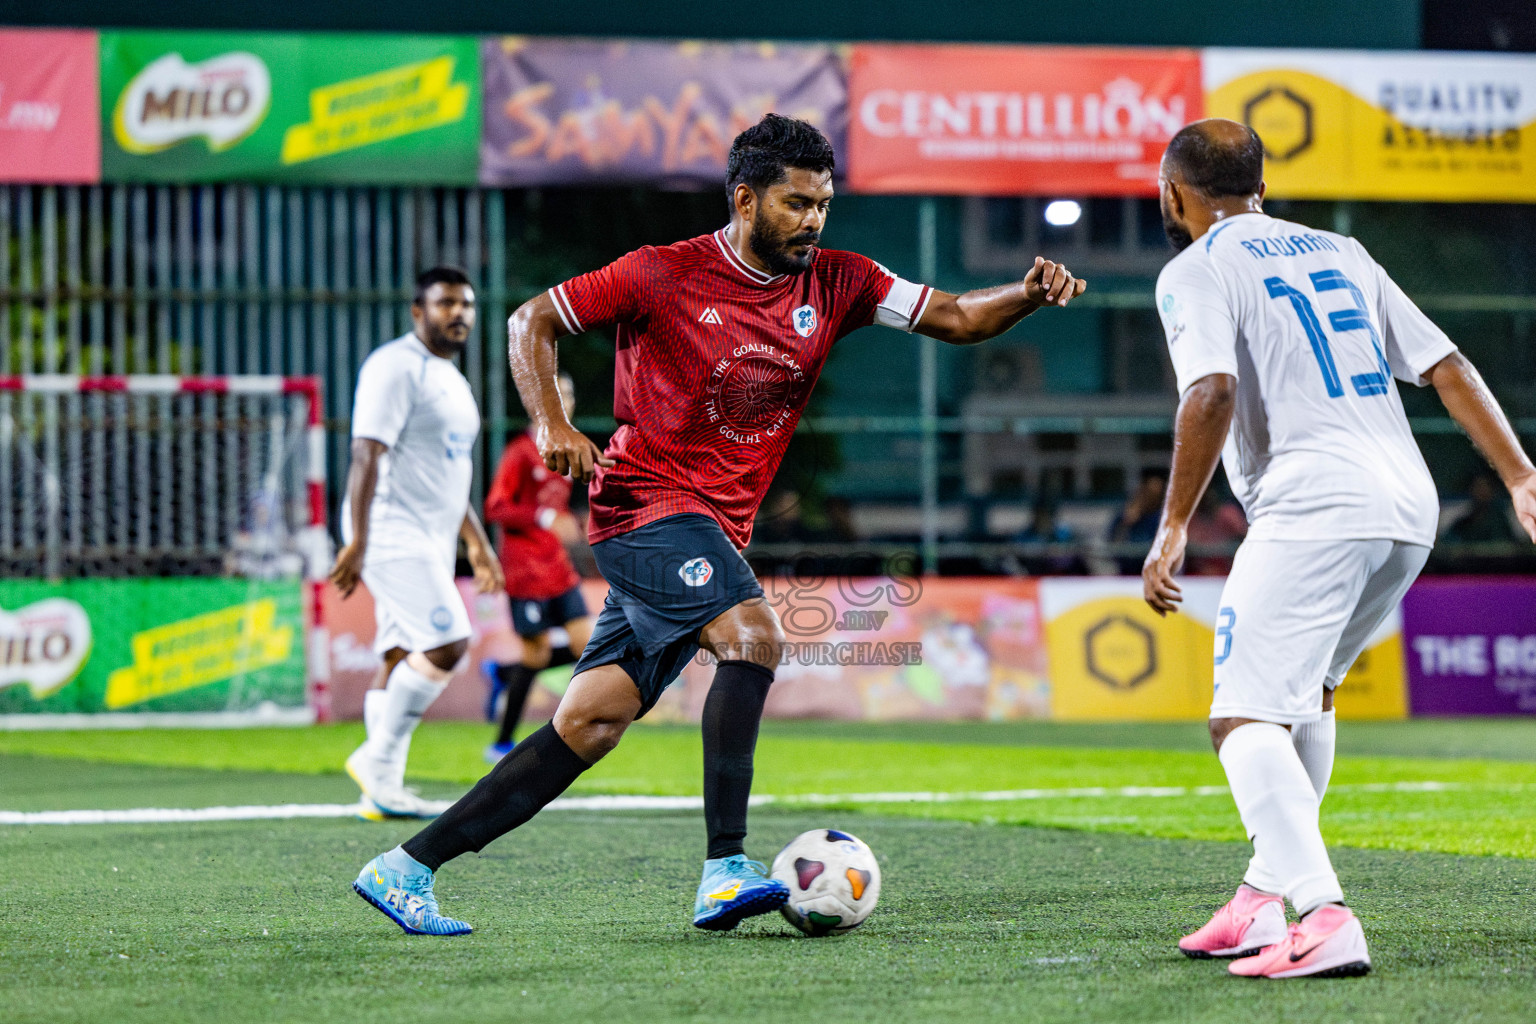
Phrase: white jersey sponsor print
pixel 421 406
pixel 1314 331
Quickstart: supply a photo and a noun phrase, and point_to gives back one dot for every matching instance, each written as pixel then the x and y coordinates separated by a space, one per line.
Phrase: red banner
pixel 1016 120
pixel 50 107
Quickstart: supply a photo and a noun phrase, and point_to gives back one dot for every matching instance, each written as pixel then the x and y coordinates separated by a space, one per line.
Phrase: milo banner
pixel 150 645
pixel 1114 659
pixel 217 106
pixel 1345 125
pixel 595 111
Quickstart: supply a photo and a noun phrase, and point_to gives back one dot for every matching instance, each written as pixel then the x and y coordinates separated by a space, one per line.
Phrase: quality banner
pixel 1337 124
pixel 1015 120
pixel 210 106
pixel 1471 646
pixel 171 645
pixel 594 111
pixel 50 126
pixel 1112 658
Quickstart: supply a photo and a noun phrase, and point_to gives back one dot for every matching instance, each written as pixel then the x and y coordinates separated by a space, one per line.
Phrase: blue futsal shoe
pixel 493 685
pixel 735 888
pixel 405 897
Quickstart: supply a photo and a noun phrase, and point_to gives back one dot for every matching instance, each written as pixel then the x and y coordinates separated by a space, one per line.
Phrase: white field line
pixel 168 815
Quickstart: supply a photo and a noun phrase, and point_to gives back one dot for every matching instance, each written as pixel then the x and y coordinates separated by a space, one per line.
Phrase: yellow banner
pixel 1113 659
pixel 1359 125
pixel 201 650
pixel 372 108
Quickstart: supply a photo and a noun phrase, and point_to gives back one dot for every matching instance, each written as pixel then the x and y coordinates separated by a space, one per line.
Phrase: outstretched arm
pixel 985 313
pixel 531 334
pixel 1473 406
pixel 1205 414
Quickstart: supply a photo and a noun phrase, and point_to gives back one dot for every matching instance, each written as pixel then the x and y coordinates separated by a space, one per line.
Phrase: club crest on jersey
pixel 711 315
pixel 696 571
pixel 804 321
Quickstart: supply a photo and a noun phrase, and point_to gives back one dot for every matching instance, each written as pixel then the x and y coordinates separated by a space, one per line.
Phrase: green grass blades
pixel 584 917
pixel 1486 808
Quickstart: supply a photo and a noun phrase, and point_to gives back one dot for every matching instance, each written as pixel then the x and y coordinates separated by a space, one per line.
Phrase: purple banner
pixel 1471 646
pixel 595 111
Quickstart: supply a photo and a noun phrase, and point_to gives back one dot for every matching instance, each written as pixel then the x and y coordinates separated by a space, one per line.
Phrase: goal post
pixel 163 549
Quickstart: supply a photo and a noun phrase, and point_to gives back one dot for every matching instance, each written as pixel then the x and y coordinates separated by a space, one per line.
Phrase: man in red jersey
pixel 720 340
pixel 531 504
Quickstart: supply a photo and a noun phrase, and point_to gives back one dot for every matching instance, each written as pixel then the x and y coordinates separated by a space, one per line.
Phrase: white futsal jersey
pixel 1314 331
pixel 421 406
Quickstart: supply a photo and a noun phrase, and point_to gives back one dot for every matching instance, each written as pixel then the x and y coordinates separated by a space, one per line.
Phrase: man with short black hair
pixel 720 340
pixel 414 424
pixel 1285 341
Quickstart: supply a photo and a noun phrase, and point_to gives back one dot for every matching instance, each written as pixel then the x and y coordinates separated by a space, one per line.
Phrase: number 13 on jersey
pixel 1354 318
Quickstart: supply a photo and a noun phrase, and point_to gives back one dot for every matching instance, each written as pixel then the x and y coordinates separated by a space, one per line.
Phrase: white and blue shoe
pixel 735 888
pixel 402 888
pixel 489 670
pixel 496 751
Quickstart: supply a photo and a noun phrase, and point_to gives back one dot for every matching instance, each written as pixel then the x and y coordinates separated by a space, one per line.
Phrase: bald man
pixel 1285 341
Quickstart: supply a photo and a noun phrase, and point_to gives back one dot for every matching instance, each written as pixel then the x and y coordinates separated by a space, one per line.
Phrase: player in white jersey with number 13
pixel 414 424
pixel 1285 341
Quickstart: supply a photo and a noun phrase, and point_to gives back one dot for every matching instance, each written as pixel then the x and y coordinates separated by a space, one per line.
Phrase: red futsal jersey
pixel 716 361
pixel 524 499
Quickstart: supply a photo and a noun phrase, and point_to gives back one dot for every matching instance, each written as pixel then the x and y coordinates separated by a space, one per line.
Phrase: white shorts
pixel 1296 614
pixel 415 604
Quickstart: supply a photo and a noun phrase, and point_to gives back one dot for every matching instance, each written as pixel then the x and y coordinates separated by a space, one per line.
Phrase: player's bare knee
pixel 447 657
pixel 592 735
pixel 749 632
pixel 536 651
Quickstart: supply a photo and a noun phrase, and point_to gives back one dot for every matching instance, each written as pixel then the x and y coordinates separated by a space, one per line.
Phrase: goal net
pixel 162 543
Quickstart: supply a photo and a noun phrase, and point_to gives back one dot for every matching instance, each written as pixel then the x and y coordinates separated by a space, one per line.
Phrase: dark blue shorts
pixel 530 617
pixel 666 581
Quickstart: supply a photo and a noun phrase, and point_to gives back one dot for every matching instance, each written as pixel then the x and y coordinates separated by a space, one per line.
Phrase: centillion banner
pixel 1337 124
pixel 1114 659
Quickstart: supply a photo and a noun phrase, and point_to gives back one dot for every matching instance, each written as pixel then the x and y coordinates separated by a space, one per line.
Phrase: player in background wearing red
pixel 532 505
pixel 720 340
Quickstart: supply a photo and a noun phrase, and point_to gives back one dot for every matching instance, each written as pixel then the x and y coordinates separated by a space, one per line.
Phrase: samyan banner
pixel 1337 124
pixel 228 106
pixel 49 118
pixel 595 111
pixel 1015 120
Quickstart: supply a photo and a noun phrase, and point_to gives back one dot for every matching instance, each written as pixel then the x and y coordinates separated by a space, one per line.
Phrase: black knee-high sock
pixel 731 716
pixel 518 679
pixel 539 769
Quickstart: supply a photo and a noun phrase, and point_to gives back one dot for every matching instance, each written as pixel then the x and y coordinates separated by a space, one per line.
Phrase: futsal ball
pixel 833 879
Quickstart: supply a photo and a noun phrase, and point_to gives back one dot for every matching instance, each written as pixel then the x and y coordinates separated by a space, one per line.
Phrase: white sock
pixel 373 710
pixel 1278 806
pixel 1314 743
pixel 398 860
pixel 406 696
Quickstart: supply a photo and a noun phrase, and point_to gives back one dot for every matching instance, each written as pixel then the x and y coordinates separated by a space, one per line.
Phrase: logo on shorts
pixel 804 321
pixel 441 618
pixel 531 611
pixel 696 571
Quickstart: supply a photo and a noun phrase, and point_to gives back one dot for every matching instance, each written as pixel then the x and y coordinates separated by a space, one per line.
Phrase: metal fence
pixel 242 279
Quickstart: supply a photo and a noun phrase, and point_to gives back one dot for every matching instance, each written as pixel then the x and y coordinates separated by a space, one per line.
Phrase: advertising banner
pixel 1471 646
pixel 1015 120
pixel 211 106
pixel 1114 659
pixel 878 649
pixel 594 111
pixel 50 124
pixel 1338 124
pixel 150 645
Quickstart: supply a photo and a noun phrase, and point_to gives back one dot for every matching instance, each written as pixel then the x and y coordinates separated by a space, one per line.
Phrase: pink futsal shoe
pixel 1250 921
pixel 1327 943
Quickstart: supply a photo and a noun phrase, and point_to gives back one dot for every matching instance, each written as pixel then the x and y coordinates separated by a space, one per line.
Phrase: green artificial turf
pixel 1487 807
pixel 584 917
